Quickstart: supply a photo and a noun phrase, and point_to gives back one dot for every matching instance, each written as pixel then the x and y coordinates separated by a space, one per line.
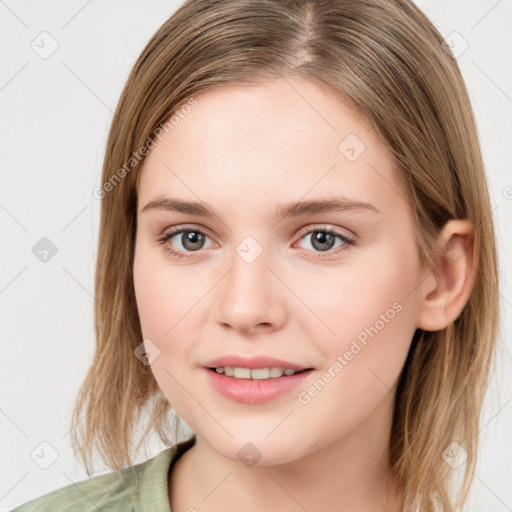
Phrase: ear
pixel 447 288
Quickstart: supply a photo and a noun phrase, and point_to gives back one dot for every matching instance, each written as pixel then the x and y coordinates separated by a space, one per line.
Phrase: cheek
pixel 169 302
pixel 362 363
pixel 161 302
pixel 370 314
pixel 151 296
pixel 163 294
pixel 366 291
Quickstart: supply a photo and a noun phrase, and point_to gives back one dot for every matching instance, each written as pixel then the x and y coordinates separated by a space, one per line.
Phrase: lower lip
pixel 254 391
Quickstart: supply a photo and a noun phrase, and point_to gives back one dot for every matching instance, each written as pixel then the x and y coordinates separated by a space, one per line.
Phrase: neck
pixel 349 475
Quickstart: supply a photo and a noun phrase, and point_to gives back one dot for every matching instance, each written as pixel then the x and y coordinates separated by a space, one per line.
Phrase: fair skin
pixel 245 151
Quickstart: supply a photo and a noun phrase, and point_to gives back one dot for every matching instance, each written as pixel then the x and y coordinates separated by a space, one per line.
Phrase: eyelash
pixel 322 254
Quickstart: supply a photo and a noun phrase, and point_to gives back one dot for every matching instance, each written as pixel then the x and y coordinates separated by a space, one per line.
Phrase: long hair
pixel 388 61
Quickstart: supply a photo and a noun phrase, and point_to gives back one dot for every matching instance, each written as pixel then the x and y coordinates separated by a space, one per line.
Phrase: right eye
pixel 186 241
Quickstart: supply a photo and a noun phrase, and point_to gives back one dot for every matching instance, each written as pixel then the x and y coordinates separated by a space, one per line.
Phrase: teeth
pixel 260 373
pixel 276 372
pixel 242 373
pixel 256 373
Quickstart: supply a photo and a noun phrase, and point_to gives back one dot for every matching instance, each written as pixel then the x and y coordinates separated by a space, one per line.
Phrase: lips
pixel 248 391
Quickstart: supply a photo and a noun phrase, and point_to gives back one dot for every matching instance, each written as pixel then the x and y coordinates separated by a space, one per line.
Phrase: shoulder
pixel 118 490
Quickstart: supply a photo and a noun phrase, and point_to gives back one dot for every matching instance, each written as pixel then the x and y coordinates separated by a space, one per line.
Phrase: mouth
pixel 256 385
pixel 255 378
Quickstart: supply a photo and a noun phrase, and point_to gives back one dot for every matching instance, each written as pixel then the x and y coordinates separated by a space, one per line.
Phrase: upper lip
pixel 255 361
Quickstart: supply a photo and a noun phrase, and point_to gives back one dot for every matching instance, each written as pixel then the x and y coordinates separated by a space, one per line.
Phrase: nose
pixel 250 299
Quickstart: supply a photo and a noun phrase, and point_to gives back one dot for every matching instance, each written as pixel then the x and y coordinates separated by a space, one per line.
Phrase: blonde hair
pixel 387 60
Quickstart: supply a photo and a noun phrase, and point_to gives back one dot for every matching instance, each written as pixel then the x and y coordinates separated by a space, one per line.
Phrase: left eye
pixel 323 240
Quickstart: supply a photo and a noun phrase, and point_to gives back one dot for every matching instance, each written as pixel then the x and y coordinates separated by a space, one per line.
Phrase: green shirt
pixel 139 488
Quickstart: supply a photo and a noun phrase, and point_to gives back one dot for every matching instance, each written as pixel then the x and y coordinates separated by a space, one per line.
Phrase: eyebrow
pixel 293 209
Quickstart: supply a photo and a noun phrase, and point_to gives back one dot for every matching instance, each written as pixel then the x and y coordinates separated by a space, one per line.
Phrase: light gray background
pixel 56 112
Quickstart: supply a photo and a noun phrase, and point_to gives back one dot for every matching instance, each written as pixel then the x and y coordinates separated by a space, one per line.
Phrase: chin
pixel 253 448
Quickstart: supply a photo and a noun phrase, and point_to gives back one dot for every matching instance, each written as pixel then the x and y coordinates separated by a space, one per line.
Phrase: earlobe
pixel 447 289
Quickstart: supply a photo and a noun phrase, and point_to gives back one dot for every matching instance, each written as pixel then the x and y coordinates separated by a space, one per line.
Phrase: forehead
pixel 280 139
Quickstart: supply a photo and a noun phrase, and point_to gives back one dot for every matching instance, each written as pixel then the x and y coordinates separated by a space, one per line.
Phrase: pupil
pixel 192 240
pixel 320 238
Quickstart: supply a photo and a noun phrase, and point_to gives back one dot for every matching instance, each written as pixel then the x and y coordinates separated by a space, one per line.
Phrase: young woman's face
pixel 331 290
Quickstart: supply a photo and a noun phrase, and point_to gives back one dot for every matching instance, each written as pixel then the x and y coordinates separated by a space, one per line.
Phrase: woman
pixel 296 255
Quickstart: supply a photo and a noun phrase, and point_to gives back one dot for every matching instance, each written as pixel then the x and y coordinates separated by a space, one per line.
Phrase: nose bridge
pixel 249 295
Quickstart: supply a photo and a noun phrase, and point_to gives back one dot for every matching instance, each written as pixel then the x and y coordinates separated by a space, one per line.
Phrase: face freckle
pixel 261 285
